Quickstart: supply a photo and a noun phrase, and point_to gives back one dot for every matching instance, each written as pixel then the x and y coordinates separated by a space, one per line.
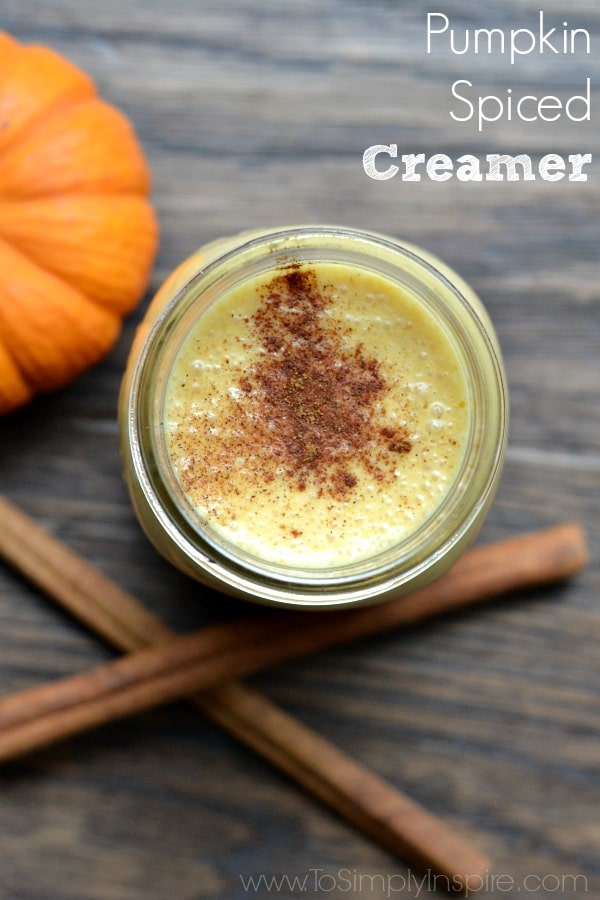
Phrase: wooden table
pixel 258 113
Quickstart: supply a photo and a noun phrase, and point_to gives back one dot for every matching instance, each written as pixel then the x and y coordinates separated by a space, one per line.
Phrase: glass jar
pixel 188 541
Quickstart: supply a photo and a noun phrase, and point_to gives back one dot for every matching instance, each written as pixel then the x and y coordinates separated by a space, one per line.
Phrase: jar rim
pixel 451 520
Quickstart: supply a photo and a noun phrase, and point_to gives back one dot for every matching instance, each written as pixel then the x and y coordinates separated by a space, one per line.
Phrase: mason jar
pixel 341 445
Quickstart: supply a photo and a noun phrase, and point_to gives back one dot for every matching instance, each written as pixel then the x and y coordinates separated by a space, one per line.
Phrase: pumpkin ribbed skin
pixel 78 235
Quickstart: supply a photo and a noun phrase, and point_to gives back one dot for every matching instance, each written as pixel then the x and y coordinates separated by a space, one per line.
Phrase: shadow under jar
pixel 313 417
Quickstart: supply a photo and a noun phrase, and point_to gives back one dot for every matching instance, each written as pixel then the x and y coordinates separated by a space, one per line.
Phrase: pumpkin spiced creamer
pixel 311 421
pixel 316 416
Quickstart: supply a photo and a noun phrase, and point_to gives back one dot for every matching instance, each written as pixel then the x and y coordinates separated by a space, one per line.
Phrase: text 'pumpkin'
pixel 77 232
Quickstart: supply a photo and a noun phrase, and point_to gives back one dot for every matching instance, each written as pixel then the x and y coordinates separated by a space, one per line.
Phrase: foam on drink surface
pixel 316 416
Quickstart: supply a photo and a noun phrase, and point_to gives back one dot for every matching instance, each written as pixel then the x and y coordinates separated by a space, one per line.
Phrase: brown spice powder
pixel 309 408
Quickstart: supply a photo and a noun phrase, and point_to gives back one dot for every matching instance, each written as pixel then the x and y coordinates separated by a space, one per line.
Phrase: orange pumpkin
pixel 78 235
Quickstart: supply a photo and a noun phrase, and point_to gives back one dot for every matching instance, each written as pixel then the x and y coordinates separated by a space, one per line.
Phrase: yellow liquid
pixel 316 416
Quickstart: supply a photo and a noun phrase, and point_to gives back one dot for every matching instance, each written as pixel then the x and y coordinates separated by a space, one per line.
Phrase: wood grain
pixel 258 114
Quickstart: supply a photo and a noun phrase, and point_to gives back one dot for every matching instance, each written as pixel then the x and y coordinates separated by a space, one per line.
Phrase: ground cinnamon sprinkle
pixel 310 398
pixel 305 410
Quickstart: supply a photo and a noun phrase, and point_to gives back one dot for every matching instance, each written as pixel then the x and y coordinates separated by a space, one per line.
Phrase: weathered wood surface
pixel 258 113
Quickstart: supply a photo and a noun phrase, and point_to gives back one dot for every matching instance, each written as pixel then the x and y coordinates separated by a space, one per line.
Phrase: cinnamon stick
pixel 182 665
pixel 364 799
